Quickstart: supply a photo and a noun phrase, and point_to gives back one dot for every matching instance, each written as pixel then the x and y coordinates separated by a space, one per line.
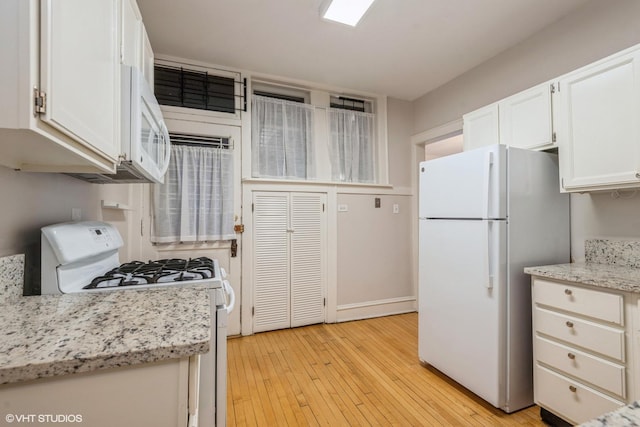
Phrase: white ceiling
pixel 401 48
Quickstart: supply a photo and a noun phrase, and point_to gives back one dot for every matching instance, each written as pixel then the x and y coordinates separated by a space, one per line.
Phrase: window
pixel 194 89
pixel 281 138
pixel 195 203
pixel 352 145
pixel 352 104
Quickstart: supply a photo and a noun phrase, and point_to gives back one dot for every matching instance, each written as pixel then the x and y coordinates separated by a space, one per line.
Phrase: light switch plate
pixel 396 208
pixel 343 208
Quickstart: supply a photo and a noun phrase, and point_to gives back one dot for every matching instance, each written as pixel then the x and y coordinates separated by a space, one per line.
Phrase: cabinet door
pixel 80 71
pixel 307 260
pixel 131 34
pixel 598 125
pixel 271 290
pixel 480 127
pixel 289 272
pixel 526 118
pixel 147 58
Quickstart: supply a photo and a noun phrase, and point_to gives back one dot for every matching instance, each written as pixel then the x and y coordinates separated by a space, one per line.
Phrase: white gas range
pixel 83 257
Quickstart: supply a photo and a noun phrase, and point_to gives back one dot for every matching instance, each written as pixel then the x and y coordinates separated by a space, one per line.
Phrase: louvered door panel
pixel 271 261
pixel 307 260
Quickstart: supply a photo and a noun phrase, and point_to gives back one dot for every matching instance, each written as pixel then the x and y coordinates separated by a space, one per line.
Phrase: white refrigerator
pixel 484 215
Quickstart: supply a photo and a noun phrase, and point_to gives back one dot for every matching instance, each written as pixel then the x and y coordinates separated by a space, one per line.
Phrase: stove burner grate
pixel 161 271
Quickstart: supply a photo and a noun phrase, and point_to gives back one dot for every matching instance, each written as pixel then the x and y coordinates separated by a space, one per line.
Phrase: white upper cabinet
pixel 147 58
pixel 599 125
pixel 79 70
pixel 132 29
pixel 60 85
pixel 480 127
pixel 136 48
pixel 526 119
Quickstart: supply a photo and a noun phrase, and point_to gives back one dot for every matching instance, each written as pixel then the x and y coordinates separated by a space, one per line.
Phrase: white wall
pixel 596 30
pixel 374 257
pixel 399 131
pixel 374 250
pixel 33 200
pixel 592 32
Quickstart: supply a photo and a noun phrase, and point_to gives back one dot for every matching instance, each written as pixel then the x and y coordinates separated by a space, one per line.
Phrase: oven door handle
pixel 232 296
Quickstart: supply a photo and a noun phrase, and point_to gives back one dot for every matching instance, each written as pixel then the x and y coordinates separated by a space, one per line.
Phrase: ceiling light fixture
pixel 346 11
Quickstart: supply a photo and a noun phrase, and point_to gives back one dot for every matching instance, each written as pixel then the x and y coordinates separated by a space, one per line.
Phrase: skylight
pixel 347 11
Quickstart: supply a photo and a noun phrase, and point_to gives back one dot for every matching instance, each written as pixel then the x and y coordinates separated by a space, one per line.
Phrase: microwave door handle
pixel 167 154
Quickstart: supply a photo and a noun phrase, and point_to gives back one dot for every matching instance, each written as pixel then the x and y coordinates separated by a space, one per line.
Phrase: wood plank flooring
pixel 357 373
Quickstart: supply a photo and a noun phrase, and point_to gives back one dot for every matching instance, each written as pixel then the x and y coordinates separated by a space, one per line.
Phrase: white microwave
pixel 145 144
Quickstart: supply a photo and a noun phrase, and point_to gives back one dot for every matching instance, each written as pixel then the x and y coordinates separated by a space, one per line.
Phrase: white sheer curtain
pixel 352 146
pixel 195 203
pixel 281 139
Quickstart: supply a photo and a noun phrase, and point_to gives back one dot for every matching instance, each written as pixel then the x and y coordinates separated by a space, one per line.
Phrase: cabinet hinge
pixel 238 228
pixel 253 311
pixel 324 302
pixel 252 206
pixel 553 88
pixel 553 137
pixel 142 227
pixel 39 102
pixel 323 207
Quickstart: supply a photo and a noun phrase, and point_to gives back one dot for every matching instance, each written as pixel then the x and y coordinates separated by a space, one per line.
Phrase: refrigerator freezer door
pixel 471 184
pixel 462 303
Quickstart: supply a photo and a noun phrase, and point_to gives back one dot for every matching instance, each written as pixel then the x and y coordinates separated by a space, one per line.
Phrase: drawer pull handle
pixel 569 324
pixel 573 388
pixel 571 356
pixel 568 292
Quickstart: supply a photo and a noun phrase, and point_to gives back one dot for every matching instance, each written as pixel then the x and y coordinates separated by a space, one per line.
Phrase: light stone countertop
pixel 608 276
pixel 628 415
pixel 44 336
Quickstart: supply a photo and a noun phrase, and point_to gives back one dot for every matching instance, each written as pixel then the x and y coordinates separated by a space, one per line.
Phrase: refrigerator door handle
pixel 487 257
pixel 486 179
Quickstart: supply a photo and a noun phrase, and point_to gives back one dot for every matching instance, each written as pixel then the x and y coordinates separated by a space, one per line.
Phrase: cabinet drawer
pixel 587 302
pixel 601 339
pixel 570 399
pixel 601 373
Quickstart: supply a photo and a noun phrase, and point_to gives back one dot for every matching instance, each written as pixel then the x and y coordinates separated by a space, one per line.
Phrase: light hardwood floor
pixel 357 373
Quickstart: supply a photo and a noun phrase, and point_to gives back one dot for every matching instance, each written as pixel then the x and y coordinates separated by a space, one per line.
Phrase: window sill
pixel 318 183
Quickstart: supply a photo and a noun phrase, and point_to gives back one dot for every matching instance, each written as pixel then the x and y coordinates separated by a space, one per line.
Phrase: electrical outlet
pixel 343 208
pixel 76 214
pixel 396 208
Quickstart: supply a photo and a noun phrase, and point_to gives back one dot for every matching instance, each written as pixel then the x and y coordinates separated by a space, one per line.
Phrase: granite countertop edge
pixel 48 336
pixel 74 366
pixel 607 276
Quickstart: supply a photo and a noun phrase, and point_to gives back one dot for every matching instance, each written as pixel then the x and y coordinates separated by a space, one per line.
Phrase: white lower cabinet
pixel 582 349
pixel 289 259
pixel 158 394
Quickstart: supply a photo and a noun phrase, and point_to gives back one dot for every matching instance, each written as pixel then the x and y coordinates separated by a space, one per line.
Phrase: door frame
pixel 140 198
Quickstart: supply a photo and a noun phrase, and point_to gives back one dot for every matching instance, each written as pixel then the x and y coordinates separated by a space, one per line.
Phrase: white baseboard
pixel 369 309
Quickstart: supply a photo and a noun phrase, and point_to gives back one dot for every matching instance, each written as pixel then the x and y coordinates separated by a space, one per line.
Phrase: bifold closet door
pixel 289 272
pixel 308 243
